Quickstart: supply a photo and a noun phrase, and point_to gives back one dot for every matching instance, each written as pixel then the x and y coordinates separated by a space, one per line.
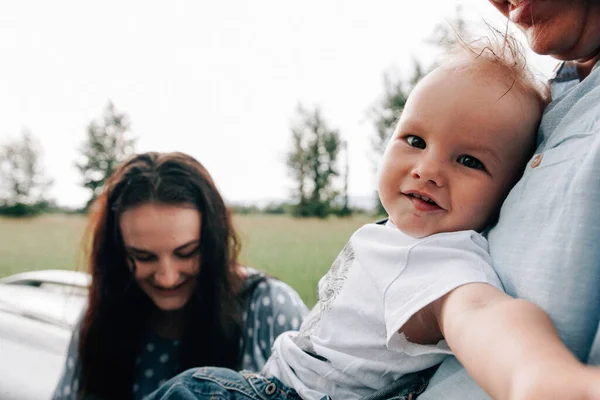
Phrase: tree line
pixel 24 182
pixel 314 162
pixel 317 160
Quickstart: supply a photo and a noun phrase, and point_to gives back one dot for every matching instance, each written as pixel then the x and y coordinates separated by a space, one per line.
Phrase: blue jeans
pixel 225 384
pixel 221 384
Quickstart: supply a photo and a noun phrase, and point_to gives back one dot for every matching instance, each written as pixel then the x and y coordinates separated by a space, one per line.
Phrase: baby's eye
pixel 470 162
pixel 415 141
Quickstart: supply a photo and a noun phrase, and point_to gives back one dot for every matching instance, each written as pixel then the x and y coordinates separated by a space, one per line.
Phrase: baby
pixel 402 296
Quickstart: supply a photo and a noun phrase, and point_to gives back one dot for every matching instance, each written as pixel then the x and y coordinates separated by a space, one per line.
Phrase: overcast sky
pixel 219 80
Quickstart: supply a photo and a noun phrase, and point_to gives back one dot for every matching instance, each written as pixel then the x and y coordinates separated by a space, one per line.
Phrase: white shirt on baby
pixel 349 345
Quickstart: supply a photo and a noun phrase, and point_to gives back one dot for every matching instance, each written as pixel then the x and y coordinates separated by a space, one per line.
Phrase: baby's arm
pixel 510 347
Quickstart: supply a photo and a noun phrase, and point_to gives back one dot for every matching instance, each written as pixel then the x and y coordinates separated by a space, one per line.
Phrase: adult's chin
pixel 169 305
pixel 548 43
pixel 539 44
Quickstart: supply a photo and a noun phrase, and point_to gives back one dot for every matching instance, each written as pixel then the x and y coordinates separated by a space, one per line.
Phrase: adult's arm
pixel 68 384
pixel 274 308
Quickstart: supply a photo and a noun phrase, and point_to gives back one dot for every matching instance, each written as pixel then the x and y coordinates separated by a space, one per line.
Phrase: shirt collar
pixel 567 71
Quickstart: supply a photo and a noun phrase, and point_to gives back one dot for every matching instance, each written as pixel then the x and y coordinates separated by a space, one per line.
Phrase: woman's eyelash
pixel 188 254
pixel 141 258
pixel 149 258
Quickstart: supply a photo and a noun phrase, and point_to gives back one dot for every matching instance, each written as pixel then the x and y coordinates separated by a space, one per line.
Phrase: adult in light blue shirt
pixel 546 245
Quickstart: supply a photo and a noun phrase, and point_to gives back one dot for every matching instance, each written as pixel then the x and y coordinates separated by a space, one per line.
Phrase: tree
pixel 312 162
pixel 108 143
pixel 345 210
pixel 24 181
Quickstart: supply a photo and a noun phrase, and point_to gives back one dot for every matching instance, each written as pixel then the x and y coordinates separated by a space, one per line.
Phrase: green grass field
pixel 297 251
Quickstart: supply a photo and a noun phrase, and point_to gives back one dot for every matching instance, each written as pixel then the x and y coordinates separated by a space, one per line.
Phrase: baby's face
pixel 456 152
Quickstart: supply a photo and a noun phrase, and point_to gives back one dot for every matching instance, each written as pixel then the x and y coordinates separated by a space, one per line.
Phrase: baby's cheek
pixel 472 215
pixel 485 213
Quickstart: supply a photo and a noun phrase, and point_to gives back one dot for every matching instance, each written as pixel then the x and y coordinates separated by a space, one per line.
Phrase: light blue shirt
pixel 546 246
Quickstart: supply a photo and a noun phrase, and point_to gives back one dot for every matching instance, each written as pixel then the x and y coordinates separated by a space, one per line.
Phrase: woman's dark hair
pixel 117 316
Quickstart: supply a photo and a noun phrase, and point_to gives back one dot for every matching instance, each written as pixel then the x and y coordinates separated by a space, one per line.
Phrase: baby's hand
pixel 573 382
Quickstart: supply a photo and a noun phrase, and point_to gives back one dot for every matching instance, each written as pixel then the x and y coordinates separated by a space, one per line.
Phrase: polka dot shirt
pixel 273 307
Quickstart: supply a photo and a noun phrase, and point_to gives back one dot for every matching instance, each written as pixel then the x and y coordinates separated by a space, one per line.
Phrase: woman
pixel 545 245
pixel 168 292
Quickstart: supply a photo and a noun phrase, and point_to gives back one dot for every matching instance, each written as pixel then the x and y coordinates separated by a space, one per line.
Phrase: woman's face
pixel 564 29
pixel 163 244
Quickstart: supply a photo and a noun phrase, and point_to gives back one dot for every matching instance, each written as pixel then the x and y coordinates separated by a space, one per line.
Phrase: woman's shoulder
pixel 268 291
pixel 260 283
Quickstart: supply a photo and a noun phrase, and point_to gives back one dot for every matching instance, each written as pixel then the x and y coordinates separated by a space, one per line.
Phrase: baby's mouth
pixel 423 203
pixel 423 198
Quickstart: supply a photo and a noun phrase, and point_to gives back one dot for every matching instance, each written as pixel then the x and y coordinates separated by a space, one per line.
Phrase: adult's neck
pixel 584 67
pixel 168 324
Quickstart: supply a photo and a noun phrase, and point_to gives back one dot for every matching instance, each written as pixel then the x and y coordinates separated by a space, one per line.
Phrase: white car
pixel 38 310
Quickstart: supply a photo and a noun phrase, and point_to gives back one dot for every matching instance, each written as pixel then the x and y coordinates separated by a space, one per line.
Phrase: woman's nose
pixel 167 274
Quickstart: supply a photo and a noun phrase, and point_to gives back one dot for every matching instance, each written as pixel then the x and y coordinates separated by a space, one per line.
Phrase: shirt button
pixel 270 389
pixel 536 161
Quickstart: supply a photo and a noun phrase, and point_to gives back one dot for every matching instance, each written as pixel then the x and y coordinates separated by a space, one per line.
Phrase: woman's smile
pixel 520 11
pixel 171 290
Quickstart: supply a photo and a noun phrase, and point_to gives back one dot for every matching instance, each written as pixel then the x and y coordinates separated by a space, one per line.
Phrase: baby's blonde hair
pixel 502 53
